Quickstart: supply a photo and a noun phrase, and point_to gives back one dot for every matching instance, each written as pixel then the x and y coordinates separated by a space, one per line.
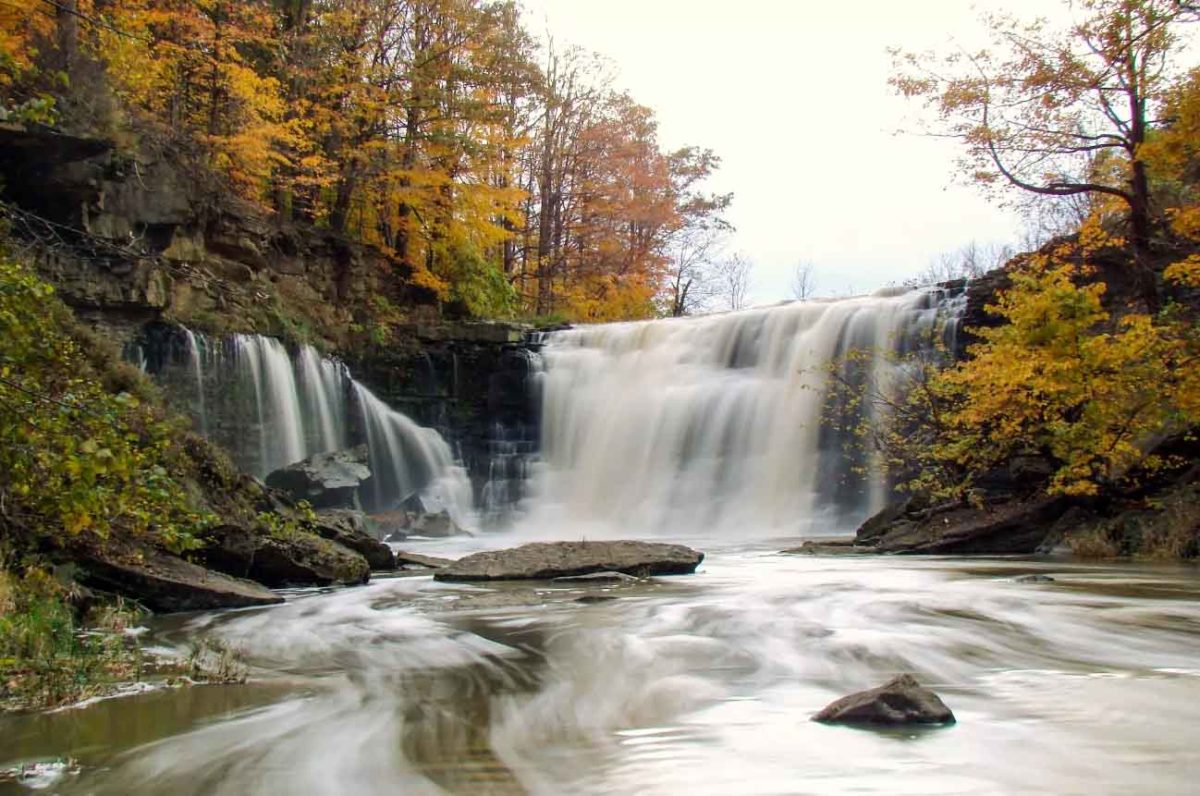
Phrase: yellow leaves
pixel 1061 377
pixel 75 458
pixel 1185 272
pixel 1185 221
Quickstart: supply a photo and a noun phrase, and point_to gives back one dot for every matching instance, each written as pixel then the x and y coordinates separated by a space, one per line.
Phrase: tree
pixel 1061 113
pixel 1059 378
pixel 804 283
pixel 969 261
pixel 698 235
pixel 733 282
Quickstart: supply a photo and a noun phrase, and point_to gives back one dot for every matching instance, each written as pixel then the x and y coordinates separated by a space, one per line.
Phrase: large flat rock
pixel 166 584
pixel 547 560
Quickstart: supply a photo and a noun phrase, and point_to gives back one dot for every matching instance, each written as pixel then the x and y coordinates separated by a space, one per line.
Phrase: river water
pixel 701 684
pixel 1087 683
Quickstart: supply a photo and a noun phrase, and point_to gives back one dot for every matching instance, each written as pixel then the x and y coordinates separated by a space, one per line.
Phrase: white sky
pixel 794 97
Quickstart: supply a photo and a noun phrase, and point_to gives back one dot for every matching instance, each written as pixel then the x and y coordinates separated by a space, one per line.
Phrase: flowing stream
pixel 704 431
pixel 703 684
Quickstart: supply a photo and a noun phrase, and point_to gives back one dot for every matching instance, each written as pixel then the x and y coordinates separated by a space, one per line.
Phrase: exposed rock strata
pixel 348 528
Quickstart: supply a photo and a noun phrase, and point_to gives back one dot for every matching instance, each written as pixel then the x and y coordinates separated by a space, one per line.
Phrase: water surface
pixel 704 684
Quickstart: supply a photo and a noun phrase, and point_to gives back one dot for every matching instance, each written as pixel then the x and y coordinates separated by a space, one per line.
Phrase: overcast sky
pixel 793 95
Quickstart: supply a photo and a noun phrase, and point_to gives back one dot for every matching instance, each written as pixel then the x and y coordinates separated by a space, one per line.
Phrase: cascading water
pixel 407 458
pixel 268 409
pixel 685 425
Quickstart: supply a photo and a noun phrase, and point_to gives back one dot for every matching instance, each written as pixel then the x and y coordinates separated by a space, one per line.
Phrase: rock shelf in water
pixel 548 560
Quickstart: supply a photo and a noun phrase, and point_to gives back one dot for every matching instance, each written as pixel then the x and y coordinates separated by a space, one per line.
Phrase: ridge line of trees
pixel 505 177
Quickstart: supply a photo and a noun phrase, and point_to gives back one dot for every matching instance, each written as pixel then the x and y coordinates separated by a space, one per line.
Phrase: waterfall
pixel 266 363
pixel 683 425
pixel 268 409
pixel 198 372
pixel 409 460
pixel 324 399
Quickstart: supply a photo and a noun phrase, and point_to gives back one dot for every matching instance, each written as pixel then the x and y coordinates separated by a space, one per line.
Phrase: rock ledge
pixel 548 560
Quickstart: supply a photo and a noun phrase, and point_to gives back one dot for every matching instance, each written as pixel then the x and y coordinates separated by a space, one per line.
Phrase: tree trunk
pixel 1141 231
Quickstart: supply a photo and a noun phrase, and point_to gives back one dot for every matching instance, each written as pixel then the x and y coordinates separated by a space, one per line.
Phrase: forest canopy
pixel 507 177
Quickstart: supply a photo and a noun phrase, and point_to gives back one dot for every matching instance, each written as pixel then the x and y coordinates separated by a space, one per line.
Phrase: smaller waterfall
pixel 198 371
pixel 409 460
pixel 269 409
pixel 277 401
pixel 324 399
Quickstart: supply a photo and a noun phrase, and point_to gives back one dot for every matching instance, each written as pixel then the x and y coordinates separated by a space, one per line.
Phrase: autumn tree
pixel 1062 112
pixel 426 128
pixel 697 239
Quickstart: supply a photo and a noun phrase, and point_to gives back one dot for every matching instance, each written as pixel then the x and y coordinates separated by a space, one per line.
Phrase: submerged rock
pixel 166 583
pixel 281 560
pixel 1034 579
pixel 901 700
pixel 548 560
pixel 347 527
pixel 598 578
pixel 325 480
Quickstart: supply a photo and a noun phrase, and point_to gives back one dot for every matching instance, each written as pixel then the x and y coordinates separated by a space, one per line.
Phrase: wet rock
pixel 404 557
pixel 1015 527
pixel 166 583
pixel 282 560
pixel 829 547
pixel 901 700
pixel 548 560
pixel 347 527
pixel 1034 579
pixel 598 578
pixel 325 480
pixel 396 526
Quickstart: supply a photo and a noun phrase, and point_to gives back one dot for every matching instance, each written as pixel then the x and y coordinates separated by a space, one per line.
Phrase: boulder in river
pixel 325 480
pixel 901 700
pixel 166 583
pixel 281 560
pixel 548 560
pixel 347 527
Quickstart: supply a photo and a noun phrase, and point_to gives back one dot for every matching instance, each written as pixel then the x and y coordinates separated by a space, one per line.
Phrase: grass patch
pixel 47 657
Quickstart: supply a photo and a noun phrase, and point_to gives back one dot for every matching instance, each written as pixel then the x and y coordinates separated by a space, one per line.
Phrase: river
pixel 1089 683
